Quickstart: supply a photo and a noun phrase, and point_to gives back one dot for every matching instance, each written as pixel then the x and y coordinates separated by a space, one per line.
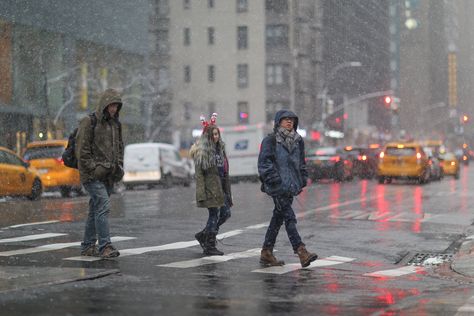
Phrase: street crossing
pixel 254 253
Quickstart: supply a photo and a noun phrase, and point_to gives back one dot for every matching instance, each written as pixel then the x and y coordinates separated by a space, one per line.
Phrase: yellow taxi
pixel 17 177
pixel 45 156
pixel 450 164
pixel 403 161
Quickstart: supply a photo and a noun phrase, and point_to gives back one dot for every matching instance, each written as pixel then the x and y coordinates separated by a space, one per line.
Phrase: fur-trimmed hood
pixel 203 152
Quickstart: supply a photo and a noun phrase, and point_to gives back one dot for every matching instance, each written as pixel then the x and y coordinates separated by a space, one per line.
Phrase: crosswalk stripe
pixel 30 237
pixel 51 247
pixel 329 261
pixel 212 259
pixel 395 272
pixel 467 308
pixel 31 224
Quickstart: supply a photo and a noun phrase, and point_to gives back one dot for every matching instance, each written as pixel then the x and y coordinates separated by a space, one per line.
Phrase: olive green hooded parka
pixel 103 159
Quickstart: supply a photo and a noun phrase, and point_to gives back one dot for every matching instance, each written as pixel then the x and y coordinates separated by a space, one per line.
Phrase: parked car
pixel 436 172
pixel 17 177
pixel 403 161
pixel 450 164
pixel 45 156
pixel 329 163
pixel 364 161
pixel 154 163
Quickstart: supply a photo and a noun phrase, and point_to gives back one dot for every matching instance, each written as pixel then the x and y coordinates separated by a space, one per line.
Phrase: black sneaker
pixel 90 251
pixel 109 252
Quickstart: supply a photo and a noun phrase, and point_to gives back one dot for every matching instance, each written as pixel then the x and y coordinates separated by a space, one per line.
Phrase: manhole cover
pixel 429 259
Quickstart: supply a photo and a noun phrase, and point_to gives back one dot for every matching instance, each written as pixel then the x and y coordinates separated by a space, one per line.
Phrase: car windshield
pixel 400 152
pixel 43 152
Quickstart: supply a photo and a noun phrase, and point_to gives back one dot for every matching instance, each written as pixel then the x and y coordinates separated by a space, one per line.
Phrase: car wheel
pixel 36 190
pixel 456 176
pixel 65 191
pixel 381 179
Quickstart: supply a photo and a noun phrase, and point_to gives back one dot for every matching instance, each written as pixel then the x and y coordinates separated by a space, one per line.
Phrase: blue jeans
pixel 97 224
pixel 283 212
pixel 217 217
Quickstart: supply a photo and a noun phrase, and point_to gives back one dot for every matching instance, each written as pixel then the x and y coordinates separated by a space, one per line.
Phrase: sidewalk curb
pixel 463 262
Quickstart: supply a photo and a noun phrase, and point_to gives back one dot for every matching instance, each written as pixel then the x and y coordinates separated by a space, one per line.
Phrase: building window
pixel 187 4
pixel 211 73
pixel 276 6
pixel 187 108
pixel 242 41
pixel 187 73
pixel 242 5
pixel 243 112
pixel 162 44
pixel 276 35
pixel 211 108
pixel 187 36
pixel 210 35
pixel 163 79
pixel 272 107
pixel 242 75
pixel 210 4
pixel 277 74
pixel 163 7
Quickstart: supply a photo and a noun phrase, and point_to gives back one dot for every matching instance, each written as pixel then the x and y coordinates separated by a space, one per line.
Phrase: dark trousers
pixel 217 217
pixel 282 213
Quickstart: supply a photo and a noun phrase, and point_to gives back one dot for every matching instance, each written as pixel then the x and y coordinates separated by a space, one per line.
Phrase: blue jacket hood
pixel 285 113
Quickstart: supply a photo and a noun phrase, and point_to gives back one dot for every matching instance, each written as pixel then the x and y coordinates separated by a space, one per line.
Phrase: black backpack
pixel 69 154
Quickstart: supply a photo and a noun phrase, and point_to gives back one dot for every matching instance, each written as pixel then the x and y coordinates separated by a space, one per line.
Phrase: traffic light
pixel 387 100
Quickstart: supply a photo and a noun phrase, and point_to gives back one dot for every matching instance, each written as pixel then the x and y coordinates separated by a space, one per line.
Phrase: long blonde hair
pixel 204 149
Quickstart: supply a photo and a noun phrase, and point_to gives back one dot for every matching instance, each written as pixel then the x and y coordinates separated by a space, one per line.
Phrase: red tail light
pixel 364 157
pixel 60 161
pixel 335 158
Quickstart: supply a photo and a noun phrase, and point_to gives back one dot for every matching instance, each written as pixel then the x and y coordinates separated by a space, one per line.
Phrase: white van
pixel 242 143
pixel 154 163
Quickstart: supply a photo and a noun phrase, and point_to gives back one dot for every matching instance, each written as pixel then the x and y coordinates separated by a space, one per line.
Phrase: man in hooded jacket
pixel 282 169
pixel 100 164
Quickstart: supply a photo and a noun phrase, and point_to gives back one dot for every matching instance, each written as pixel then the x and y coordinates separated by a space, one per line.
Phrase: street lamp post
pixel 332 73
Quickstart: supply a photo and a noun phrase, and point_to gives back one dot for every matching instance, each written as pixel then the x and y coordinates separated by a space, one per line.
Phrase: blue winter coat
pixel 283 172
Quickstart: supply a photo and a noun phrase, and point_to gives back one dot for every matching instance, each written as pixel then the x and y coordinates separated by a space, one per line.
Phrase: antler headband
pixel 205 124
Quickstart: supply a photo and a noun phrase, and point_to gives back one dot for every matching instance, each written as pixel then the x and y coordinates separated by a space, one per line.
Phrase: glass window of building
pixel 187 73
pixel 242 75
pixel 210 35
pixel 210 4
pixel 163 7
pixel 242 5
pixel 187 111
pixel 211 73
pixel 243 112
pixel 187 36
pixel 242 40
pixel 277 74
pixel 276 35
pixel 276 6
pixel 187 4
pixel 162 43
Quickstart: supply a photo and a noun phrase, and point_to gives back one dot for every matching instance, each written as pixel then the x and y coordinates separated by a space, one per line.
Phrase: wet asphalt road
pixel 363 232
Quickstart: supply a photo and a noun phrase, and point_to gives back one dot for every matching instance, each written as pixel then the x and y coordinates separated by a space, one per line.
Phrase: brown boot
pixel 305 257
pixel 267 258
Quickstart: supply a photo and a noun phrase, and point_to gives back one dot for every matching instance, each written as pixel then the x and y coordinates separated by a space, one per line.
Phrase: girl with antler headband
pixel 212 183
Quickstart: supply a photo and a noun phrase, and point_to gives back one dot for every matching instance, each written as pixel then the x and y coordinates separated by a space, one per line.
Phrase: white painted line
pixel 466 309
pixel 83 258
pixel 31 224
pixel 395 272
pixel 51 247
pixel 334 205
pixel 329 261
pixel 258 226
pixel 30 237
pixel 470 237
pixel 212 259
